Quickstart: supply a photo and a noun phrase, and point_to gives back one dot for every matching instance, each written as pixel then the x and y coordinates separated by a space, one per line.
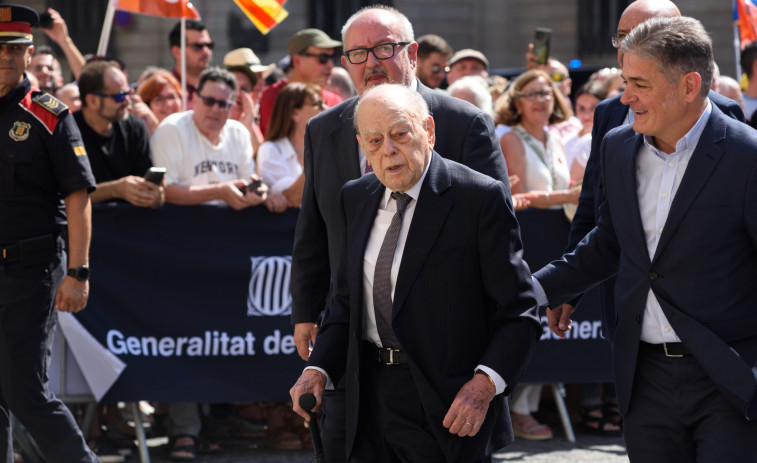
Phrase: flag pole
pixel 110 13
pixel 737 50
pixel 183 63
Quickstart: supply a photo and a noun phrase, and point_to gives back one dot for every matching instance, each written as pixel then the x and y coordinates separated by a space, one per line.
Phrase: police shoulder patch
pixel 50 103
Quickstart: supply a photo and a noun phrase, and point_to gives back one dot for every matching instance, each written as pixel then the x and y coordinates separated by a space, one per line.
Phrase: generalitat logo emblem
pixel 20 131
pixel 269 287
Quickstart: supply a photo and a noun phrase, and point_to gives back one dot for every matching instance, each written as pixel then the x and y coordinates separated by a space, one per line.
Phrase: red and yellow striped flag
pixel 265 14
pixel 165 8
pixel 747 14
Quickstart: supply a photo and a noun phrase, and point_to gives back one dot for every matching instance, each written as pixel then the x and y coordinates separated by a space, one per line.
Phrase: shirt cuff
pixel 541 296
pixel 329 384
pixel 499 383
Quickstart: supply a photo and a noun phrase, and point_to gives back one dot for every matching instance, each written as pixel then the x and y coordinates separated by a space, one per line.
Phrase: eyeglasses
pixel 436 69
pixel 323 58
pixel 208 101
pixel 117 97
pixel 165 99
pixel 557 77
pixel 200 45
pixel 316 104
pixel 380 51
pixel 617 39
pixel 531 96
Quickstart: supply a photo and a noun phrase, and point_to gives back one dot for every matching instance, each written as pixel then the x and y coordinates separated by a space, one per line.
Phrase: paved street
pixel 588 448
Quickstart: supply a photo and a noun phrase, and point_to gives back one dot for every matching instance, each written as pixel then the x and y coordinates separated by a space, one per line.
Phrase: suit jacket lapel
pixel 626 179
pixel 706 156
pixel 343 137
pixel 430 214
pixel 358 233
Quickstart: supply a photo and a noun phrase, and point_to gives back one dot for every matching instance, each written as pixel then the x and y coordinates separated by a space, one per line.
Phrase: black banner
pixel 195 300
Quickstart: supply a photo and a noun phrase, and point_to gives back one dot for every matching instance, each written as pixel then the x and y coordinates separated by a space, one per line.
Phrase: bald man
pixel 608 115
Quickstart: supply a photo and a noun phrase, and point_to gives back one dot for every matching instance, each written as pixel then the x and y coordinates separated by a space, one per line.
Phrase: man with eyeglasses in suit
pixel 207 155
pixel 313 54
pixel 199 54
pixel 117 143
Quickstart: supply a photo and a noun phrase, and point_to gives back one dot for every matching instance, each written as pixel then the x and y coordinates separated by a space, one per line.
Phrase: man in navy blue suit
pixel 608 115
pixel 678 227
pixel 431 331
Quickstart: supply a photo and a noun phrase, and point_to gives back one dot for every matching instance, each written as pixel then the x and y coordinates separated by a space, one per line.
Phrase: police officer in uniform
pixel 45 179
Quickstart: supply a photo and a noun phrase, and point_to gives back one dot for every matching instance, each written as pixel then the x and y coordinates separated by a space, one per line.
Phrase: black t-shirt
pixel 126 151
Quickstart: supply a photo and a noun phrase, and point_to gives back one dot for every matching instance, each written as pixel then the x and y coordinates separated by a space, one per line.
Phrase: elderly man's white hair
pixel 411 100
pixel 406 28
pixel 473 89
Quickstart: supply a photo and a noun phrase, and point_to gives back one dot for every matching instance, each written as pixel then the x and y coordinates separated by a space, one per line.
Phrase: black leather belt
pixel 10 254
pixel 31 251
pixel 386 356
pixel 668 349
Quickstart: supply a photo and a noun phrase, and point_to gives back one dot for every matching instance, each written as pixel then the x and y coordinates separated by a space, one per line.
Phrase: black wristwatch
pixel 80 273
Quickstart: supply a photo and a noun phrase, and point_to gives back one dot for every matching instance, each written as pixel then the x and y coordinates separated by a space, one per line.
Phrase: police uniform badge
pixel 19 131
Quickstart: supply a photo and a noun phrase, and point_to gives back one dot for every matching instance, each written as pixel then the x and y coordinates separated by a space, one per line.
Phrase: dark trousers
pixel 334 425
pixel 27 323
pixel 678 415
pixel 392 426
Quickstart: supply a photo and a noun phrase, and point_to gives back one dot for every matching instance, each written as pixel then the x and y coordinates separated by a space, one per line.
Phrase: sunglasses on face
pixel 200 45
pixel 557 77
pixel 208 101
pixel 117 97
pixel 436 69
pixel 323 58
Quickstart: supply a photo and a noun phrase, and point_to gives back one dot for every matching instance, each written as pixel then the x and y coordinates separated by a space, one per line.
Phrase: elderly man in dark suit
pixel 679 228
pixel 379 48
pixel 432 319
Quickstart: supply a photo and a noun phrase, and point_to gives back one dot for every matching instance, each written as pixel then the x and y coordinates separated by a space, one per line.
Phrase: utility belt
pixel 31 251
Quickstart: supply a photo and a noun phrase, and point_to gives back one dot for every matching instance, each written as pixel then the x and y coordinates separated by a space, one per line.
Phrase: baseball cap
pixel 310 38
pixel 468 53
pixel 16 23
pixel 245 60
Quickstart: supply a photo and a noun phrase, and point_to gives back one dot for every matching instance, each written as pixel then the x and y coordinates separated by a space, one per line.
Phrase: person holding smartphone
pixel 117 143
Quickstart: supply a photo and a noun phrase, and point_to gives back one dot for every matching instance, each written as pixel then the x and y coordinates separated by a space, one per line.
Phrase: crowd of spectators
pixel 240 143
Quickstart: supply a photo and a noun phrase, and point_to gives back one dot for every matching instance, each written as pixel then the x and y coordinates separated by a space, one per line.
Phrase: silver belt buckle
pixel 665 347
pixel 391 356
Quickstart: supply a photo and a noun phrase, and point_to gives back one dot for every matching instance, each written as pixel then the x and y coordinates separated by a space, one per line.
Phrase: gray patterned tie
pixel 382 285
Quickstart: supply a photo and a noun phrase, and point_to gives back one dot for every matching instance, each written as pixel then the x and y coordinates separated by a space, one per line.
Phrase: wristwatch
pixel 80 273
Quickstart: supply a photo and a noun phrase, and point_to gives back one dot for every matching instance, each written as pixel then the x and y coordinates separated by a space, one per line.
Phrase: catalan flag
pixel 265 14
pixel 164 8
pixel 747 21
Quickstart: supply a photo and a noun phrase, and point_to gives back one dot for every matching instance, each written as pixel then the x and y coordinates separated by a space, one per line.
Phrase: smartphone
pixel 542 37
pixel 45 20
pixel 155 174
pixel 253 186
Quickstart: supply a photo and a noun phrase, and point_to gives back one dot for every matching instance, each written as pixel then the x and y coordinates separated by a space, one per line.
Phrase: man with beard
pixel 117 142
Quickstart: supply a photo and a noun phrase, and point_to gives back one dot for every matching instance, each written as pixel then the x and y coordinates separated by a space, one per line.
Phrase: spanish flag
pixel 747 20
pixel 164 8
pixel 265 14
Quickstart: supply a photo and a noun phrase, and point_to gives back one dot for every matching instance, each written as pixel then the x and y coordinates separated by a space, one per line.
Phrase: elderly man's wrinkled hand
pixel 468 410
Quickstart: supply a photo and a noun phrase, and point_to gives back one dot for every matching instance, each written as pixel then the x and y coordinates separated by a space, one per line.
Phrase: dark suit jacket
pixel 463 297
pixel 463 133
pixel 705 267
pixel 608 115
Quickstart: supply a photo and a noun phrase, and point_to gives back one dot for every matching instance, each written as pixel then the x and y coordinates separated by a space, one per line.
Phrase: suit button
pixel 652 276
pixel 638 319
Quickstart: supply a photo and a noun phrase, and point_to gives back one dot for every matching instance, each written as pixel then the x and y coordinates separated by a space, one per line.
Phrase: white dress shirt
pixel 658 176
